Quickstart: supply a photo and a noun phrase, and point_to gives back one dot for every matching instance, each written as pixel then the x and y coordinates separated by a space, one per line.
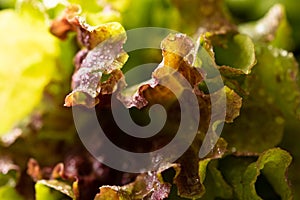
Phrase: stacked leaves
pixel 260 81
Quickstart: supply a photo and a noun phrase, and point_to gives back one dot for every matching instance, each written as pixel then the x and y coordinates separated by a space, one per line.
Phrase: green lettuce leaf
pixel 273 28
pixel 273 92
pixel 249 10
pixel 250 133
pixel 9 172
pixel 8 193
pixel 53 190
pixel 24 78
pixel 242 174
pixel 7 4
pixel 9 176
pixel 235 55
pixel 290 142
pixel 205 16
pixel 280 83
pixel 215 185
pixel 99 12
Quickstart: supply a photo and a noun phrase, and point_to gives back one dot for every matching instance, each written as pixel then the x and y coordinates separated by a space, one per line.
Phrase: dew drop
pixel 157 159
pixel 179 36
pixel 193 181
pixel 59 187
pixel 172 38
pixel 219 151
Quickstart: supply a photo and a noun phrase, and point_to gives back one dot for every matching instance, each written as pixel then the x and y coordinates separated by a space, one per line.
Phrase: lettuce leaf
pixel 24 78
pixel 7 193
pixel 273 28
pixel 261 87
pixel 146 186
pixel 242 173
pixel 61 190
pixel 9 176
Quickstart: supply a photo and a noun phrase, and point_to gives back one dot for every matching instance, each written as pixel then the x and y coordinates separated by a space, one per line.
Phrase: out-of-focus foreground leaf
pixel 7 4
pixel 27 64
pixel 9 175
pixel 9 193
